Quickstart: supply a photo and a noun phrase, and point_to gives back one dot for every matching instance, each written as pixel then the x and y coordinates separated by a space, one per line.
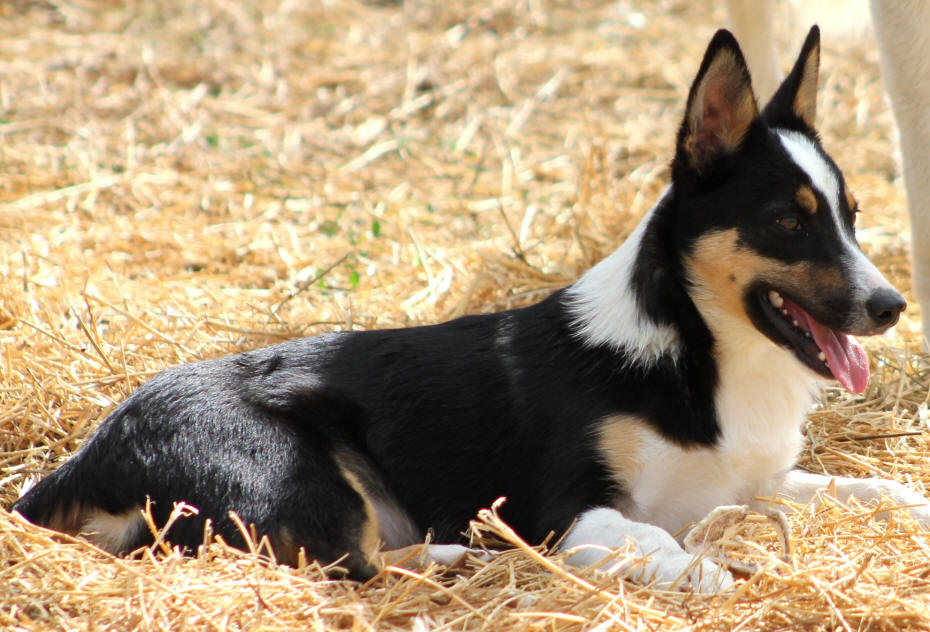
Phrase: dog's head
pixel 767 222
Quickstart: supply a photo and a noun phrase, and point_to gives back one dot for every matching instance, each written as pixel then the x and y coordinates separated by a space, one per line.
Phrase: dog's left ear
pixel 721 105
pixel 794 104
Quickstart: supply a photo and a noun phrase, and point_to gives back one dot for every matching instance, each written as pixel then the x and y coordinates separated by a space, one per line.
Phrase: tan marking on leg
pixel 396 528
pixel 286 550
pixel 370 542
pixel 621 440
pixel 807 199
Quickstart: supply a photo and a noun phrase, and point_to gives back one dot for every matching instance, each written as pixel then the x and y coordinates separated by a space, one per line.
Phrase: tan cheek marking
pixel 721 270
pixel 812 276
pixel 807 199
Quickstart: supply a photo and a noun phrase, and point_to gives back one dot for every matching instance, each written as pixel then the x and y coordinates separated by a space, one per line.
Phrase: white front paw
pixel 663 568
pixel 647 554
pixel 677 570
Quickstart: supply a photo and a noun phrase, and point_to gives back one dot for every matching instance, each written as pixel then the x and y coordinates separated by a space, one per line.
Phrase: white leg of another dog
pixel 752 23
pixel 656 556
pixel 803 487
pixel 902 28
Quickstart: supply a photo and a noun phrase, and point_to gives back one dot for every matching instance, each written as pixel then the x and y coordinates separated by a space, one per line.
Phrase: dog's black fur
pixel 438 414
pixel 440 421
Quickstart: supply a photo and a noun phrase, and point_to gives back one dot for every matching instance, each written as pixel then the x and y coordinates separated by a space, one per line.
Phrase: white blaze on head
pixel 823 177
pixel 863 275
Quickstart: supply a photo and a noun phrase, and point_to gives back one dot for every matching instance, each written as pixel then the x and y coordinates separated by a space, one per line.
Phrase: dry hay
pixel 182 180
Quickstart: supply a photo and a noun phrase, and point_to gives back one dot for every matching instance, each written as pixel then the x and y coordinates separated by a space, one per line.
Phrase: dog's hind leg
pixel 301 501
pixel 322 512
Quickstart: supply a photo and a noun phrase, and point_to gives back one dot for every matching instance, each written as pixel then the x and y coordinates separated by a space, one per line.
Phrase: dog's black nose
pixel 884 306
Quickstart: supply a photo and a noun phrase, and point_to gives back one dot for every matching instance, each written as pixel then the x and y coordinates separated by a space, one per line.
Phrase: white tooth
pixel 807 333
pixel 794 322
pixel 784 312
pixel 776 299
pixel 822 357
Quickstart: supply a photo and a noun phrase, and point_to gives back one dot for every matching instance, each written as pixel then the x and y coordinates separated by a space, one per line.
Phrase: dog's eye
pixel 789 223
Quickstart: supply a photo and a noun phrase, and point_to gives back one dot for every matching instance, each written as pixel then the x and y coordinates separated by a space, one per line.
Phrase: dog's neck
pixel 636 303
pixel 608 308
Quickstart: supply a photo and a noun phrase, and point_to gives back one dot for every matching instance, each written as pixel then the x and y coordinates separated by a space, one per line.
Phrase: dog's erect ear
pixel 721 105
pixel 794 104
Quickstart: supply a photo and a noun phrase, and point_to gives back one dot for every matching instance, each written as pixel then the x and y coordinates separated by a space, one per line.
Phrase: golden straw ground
pixel 182 180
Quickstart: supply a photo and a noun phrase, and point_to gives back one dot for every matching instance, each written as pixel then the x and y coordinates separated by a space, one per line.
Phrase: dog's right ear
pixel 721 105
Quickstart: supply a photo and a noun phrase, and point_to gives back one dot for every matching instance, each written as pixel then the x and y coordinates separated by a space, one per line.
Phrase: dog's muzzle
pixel 884 307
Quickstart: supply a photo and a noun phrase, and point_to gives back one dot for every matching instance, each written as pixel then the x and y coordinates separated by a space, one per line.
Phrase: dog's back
pixel 335 442
pixel 672 378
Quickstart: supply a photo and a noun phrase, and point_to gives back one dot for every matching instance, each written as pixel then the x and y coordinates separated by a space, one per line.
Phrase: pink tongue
pixel 846 357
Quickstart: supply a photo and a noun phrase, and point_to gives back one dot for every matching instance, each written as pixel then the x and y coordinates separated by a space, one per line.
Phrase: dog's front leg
pixel 803 487
pixel 657 557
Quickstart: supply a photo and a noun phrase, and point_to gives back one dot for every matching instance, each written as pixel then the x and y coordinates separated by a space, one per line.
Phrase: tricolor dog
pixel 902 31
pixel 669 380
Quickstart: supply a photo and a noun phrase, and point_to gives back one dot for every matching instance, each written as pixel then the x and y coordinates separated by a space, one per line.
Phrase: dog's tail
pixel 58 503
pixel 47 503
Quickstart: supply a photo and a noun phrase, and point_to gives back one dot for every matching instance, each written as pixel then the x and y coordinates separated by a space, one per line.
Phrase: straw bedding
pixel 182 180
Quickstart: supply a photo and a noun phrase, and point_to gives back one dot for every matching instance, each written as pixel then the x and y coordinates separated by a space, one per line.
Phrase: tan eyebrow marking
pixel 850 200
pixel 807 199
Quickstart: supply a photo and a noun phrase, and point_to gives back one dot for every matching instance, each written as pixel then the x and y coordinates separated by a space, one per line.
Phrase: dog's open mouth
pixel 828 352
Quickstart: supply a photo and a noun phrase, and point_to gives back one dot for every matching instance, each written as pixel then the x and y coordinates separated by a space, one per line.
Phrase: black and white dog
pixel 672 378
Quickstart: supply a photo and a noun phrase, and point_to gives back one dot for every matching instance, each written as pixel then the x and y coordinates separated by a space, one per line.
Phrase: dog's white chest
pixel 678 486
pixel 760 424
